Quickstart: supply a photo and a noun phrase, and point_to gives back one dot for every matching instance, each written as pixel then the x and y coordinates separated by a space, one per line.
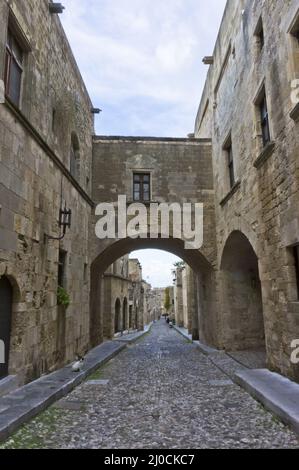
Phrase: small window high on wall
pixel 228 150
pixel 265 120
pixel 142 187
pixel 259 35
pixel 75 156
pixel 14 57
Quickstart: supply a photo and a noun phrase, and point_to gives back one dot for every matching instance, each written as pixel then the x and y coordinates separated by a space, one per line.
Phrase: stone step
pixel 8 385
pixel 277 393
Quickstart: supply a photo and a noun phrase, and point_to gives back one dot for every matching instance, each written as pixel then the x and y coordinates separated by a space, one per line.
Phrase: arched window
pixel 75 156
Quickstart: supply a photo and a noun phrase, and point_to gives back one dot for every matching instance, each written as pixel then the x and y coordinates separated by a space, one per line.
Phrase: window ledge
pixel 294 114
pixel 145 203
pixel 231 193
pixel 265 154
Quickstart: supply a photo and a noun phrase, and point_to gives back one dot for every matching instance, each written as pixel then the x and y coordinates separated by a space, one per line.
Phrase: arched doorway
pixel 6 299
pixel 131 317
pixel 125 315
pixel 242 306
pixel 117 317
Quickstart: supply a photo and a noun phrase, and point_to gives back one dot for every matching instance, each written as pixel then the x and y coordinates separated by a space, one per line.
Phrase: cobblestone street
pixel 159 393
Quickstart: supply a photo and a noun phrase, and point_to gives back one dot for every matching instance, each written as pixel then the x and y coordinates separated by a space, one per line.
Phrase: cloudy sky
pixel 142 63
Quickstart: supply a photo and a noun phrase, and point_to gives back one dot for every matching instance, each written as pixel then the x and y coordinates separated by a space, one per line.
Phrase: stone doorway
pixel 6 300
pixel 117 327
pixel 242 305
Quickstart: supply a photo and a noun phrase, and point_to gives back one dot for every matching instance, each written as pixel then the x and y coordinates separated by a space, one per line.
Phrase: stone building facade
pixel 241 163
pixel 126 298
pixel 185 301
pixel 117 285
pixel 46 128
pixel 173 171
pixel 139 291
pixel 249 111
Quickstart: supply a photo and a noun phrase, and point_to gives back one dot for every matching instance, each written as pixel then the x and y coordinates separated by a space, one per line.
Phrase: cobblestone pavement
pixel 159 393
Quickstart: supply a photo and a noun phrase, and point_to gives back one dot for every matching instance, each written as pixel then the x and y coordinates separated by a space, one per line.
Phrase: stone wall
pixel 264 204
pixel 34 181
pixel 117 285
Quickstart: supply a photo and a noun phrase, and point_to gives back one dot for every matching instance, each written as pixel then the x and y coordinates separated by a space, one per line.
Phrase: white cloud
pixel 157 266
pixel 143 57
pixel 141 60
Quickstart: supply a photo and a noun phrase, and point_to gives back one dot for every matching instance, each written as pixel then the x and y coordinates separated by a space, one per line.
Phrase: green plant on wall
pixel 63 297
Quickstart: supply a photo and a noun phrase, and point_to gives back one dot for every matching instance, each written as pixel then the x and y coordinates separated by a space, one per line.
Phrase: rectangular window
pixel 142 187
pixel 61 268
pixel 259 34
pixel 231 168
pixel 294 30
pixel 296 256
pixel 228 148
pixel 264 120
pixel 294 58
pixel 13 68
pixel 85 273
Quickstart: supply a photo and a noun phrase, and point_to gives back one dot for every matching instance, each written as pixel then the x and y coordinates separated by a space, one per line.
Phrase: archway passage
pixel 117 318
pixel 6 299
pixel 194 258
pixel 242 309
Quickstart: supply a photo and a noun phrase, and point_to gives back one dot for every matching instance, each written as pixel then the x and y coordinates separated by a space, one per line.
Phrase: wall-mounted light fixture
pixel 56 8
pixel 65 221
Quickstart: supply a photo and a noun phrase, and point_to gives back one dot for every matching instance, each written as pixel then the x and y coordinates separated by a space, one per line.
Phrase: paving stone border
pixel 20 406
pixel 277 394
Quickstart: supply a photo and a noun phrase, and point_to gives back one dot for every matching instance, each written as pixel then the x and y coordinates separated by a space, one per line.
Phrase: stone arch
pixel 241 295
pixel 75 156
pixel 239 225
pixel 117 316
pixel 203 270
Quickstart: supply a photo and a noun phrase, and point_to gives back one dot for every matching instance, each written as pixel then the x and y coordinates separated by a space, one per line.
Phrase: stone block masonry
pixel 37 138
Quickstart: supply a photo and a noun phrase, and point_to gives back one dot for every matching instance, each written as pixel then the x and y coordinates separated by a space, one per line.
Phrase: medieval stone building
pixel 46 127
pixel 248 111
pixel 242 164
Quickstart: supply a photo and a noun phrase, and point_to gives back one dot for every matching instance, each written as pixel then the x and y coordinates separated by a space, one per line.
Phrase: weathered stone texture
pixel 265 206
pixel 32 186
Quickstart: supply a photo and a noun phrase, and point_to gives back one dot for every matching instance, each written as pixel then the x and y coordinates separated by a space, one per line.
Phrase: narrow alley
pixel 160 393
